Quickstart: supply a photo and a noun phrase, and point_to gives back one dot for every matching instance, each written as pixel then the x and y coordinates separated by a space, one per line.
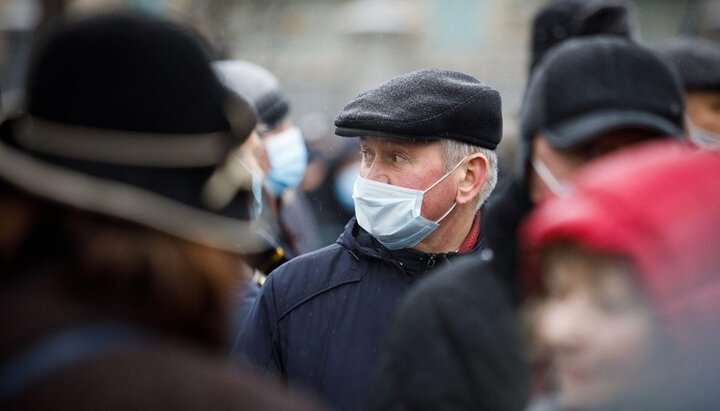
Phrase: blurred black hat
pixel 428 104
pixel 590 86
pixel 125 117
pixel 564 19
pixel 697 62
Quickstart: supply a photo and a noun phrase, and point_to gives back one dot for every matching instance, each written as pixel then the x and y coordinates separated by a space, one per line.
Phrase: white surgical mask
pixel 288 158
pixel 703 138
pixel 391 213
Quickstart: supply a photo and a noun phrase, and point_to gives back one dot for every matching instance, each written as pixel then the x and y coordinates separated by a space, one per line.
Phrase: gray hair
pixel 455 151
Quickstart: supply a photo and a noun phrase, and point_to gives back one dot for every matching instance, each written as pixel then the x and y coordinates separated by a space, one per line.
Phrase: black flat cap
pixel 697 62
pixel 589 86
pixel 424 105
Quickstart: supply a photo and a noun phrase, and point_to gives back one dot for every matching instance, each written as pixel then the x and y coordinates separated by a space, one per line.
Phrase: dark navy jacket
pixel 321 317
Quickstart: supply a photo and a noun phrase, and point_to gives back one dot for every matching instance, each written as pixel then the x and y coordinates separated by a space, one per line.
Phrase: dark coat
pixel 453 345
pixel 321 317
pixel 503 217
pixel 153 371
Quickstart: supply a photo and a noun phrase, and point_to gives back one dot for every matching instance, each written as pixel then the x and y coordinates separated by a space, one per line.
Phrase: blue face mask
pixel 344 183
pixel 288 158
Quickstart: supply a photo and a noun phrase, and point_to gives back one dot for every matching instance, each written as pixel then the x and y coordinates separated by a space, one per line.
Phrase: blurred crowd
pixel 170 239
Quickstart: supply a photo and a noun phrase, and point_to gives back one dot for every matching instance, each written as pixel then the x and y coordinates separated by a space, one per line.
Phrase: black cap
pixel 565 19
pixel 697 62
pixel 427 104
pixel 590 86
pixel 125 117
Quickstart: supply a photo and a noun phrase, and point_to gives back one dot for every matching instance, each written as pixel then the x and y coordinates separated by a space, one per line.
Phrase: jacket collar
pixel 408 260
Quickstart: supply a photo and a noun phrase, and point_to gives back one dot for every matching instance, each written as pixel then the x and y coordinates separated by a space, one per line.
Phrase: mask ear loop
pixel 446 213
pixel 558 188
pixel 438 182
pixel 446 174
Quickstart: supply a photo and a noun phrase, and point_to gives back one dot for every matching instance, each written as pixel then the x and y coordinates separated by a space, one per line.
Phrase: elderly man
pixel 428 163
pixel 454 344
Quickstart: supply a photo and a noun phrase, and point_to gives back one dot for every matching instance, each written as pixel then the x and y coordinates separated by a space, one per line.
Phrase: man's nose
pixel 375 172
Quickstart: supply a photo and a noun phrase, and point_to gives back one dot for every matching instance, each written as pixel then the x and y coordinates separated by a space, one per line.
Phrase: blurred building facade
pixel 326 51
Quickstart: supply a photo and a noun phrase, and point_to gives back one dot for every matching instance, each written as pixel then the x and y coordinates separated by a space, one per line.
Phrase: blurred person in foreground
pixel 454 342
pixel 284 216
pixel 624 276
pixel 561 20
pixel 119 243
pixel 588 97
pixel 698 64
pixel 427 140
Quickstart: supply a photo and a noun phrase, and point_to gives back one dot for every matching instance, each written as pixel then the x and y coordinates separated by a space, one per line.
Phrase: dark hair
pixel 123 269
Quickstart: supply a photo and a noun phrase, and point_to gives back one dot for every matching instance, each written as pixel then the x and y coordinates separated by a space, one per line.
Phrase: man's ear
pixel 471 184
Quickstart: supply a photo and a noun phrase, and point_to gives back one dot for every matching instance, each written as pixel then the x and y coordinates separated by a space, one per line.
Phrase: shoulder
pixel 311 274
pixel 468 275
pixel 468 284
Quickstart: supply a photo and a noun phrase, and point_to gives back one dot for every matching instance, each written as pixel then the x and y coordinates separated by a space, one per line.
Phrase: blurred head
pixel 596 326
pixel 590 97
pixel 285 148
pixel 698 64
pixel 626 273
pixel 117 173
pixel 562 20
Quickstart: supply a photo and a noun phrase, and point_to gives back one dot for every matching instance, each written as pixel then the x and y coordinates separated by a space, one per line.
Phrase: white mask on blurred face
pixel 703 138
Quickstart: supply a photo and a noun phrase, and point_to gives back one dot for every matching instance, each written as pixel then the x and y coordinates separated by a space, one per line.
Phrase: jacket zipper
pixel 431 263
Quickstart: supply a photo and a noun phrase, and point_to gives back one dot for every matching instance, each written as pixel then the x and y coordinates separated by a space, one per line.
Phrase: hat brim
pixel 356 132
pixel 583 129
pixel 75 184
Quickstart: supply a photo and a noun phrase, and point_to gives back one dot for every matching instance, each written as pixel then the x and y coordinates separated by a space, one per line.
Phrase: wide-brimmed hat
pixel 125 117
